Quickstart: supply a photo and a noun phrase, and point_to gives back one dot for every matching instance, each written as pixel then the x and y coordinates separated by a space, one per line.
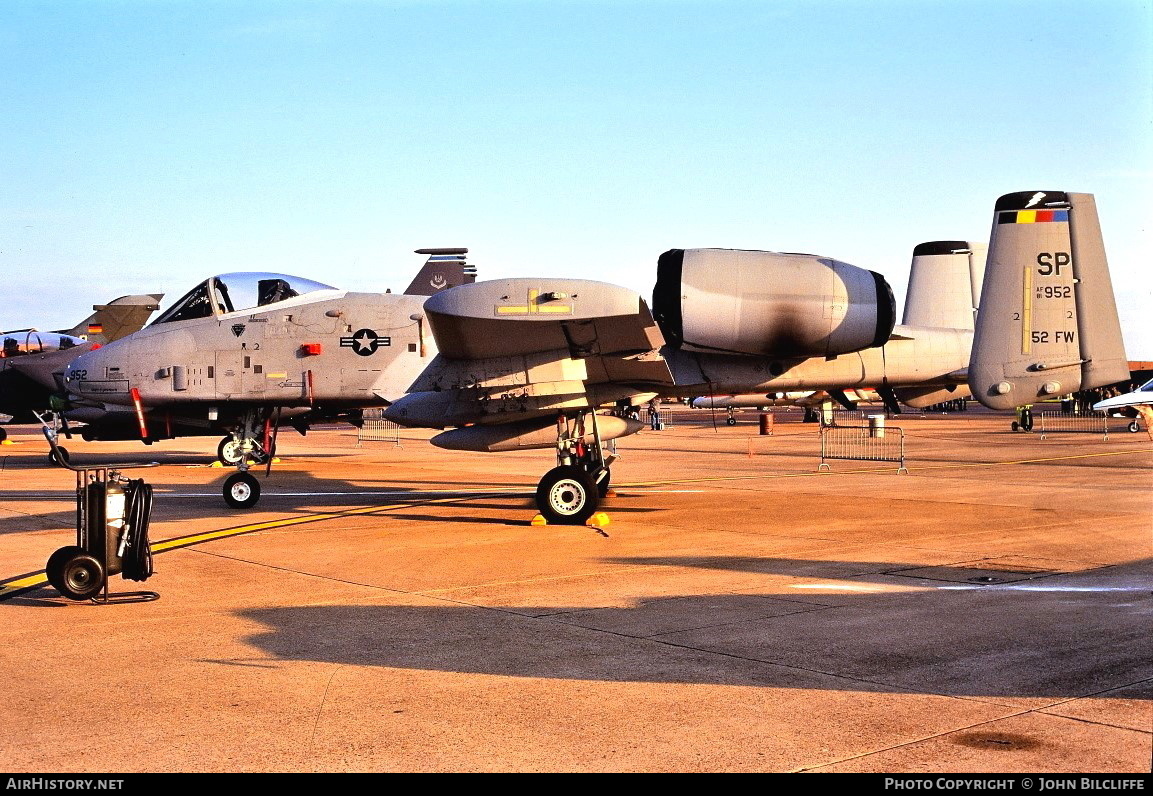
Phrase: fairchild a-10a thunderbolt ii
pixel 240 354
pixel 527 363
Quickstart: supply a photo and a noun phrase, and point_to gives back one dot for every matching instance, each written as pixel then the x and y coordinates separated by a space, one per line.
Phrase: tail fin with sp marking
pixel 1047 322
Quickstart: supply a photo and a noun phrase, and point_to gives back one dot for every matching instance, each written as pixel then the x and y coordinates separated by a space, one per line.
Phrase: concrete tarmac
pixel 389 607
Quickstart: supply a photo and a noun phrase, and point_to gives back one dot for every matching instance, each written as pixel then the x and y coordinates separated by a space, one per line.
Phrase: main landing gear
pixel 570 493
pixel 252 442
pixel 732 418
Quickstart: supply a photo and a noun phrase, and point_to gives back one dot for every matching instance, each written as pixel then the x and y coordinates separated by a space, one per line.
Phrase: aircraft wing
pixel 516 349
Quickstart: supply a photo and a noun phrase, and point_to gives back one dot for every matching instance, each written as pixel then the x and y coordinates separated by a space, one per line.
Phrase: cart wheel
pixel 566 495
pixel 82 576
pixel 1015 425
pixel 60 451
pixel 241 491
pixel 54 569
pixel 1134 426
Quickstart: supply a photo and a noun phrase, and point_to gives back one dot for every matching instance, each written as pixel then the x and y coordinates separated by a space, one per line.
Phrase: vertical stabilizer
pixel 945 284
pixel 444 268
pixel 1048 322
pixel 117 318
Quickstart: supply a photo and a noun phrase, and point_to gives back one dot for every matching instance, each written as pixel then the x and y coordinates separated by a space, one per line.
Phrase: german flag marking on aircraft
pixel 1032 216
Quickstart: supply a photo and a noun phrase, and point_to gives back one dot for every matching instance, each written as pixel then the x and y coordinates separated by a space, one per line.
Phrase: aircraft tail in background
pixel 116 319
pixel 444 268
pixel 1047 324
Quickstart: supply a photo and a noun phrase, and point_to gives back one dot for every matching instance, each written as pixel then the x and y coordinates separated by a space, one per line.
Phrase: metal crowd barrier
pixel 374 428
pixel 1086 423
pixel 875 442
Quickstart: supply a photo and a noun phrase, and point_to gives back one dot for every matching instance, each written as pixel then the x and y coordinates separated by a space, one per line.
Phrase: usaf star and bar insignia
pixel 365 342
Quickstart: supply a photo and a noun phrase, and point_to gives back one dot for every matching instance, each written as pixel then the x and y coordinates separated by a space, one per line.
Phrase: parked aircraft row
pixel 541 362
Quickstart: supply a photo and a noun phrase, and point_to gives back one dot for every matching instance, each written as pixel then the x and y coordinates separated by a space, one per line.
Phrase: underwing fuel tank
pixel 771 304
pixel 535 433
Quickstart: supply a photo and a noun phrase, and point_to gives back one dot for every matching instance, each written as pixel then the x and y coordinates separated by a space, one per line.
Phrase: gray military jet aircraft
pixel 243 353
pixel 32 362
pixel 528 363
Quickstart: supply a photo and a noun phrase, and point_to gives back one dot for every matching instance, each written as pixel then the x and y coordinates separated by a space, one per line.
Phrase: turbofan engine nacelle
pixel 769 304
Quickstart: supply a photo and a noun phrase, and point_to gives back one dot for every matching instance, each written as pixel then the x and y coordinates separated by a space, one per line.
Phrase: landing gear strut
pixel 731 420
pixel 571 492
pixel 252 442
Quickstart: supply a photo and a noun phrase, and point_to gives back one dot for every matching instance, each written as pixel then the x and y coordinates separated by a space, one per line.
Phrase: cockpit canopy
pixel 236 292
pixel 30 341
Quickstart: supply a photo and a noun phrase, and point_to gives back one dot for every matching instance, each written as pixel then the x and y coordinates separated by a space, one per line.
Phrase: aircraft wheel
pixel 3 435
pixel 1134 426
pixel 567 496
pixel 60 451
pixel 601 479
pixel 54 569
pixel 228 451
pixel 241 491
pixel 732 421
pixel 80 575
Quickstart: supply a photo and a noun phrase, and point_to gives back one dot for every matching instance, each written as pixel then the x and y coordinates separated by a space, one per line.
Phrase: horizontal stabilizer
pixel 1047 324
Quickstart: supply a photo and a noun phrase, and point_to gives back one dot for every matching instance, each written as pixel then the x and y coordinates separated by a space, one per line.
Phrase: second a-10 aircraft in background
pixel 242 354
pixel 534 363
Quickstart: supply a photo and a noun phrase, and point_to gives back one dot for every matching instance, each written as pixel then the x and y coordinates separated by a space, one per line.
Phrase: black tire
pixel 81 577
pixel 1015 425
pixel 60 451
pixel 601 478
pixel 3 434
pixel 54 569
pixel 1134 426
pixel 567 495
pixel 732 421
pixel 241 491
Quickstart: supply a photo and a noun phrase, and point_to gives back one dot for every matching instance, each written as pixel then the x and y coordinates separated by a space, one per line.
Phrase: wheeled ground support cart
pixel 112 514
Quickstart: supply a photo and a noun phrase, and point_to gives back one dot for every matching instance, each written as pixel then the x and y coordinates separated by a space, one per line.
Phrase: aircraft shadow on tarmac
pixel 1060 637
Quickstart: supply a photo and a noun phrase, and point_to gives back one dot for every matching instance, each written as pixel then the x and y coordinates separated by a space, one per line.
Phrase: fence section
pixel 374 428
pixel 871 443
pixel 1084 423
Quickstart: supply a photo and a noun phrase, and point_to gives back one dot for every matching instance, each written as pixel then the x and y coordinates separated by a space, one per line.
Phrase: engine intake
pixel 769 304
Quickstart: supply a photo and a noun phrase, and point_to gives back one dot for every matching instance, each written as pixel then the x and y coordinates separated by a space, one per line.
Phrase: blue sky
pixel 147 145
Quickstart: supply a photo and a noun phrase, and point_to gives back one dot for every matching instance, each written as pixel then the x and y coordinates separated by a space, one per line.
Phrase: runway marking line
pixel 32 580
pixel 23 583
